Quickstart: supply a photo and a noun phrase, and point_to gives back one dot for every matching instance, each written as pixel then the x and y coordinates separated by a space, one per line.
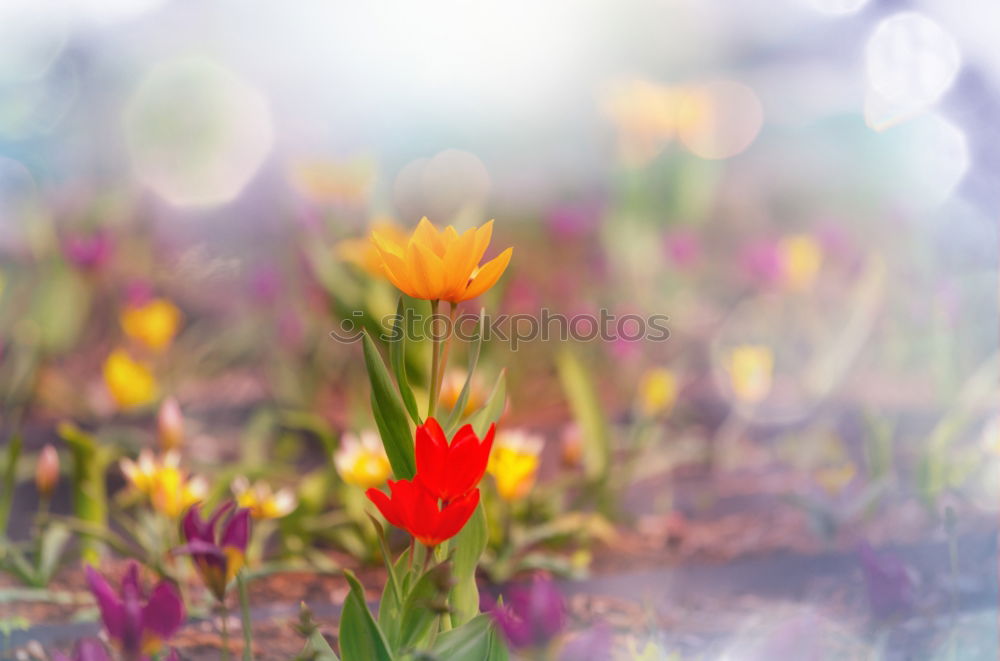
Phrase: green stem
pixel 435 385
pixel 241 582
pixel 224 614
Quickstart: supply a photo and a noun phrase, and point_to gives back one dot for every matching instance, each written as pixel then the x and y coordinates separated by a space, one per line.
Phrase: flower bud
pixel 47 471
pixel 170 425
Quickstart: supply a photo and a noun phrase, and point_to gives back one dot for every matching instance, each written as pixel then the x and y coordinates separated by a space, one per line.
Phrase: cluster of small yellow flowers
pixel 361 460
pixel 169 488
pixel 514 462
pixel 262 502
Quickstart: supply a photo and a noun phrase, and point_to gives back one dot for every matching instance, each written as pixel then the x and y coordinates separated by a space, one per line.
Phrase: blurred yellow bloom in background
pixel 361 460
pixel 130 382
pixel 514 463
pixel 262 502
pixel 361 252
pixel 658 389
pixel 751 370
pixel 441 265
pixel 152 324
pixel 801 259
pixel 167 485
pixel 451 389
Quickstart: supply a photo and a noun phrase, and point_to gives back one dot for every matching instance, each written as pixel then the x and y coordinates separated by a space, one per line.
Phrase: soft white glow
pixel 911 61
pixel 196 132
pixel 441 187
pixel 837 7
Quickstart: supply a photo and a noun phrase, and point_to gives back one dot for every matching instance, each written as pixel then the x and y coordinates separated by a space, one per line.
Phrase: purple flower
pixel 218 546
pixel 88 649
pixel 570 220
pixel 135 623
pixel 682 247
pixel 533 615
pixel 88 251
pixel 593 644
pixel 265 285
pixel 887 582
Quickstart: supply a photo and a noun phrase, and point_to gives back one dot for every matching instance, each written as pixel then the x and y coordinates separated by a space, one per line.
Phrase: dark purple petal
pixel 132 598
pixel 164 613
pixel 515 630
pixel 223 510
pixel 89 649
pixel 193 527
pixel 110 604
pixel 237 531
pixel 547 609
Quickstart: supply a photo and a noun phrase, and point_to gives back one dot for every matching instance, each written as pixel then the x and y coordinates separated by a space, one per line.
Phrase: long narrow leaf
pixel 476 640
pixel 469 546
pixel 360 636
pixel 493 408
pixel 390 416
pixel 463 397
pixel 397 359
pixel 586 406
pixel 9 479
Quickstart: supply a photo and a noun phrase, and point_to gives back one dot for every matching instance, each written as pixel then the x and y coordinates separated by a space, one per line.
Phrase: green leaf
pixel 397 358
pixel 316 648
pixel 469 546
pixel 424 604
pixel 390 417
pixel 360 636
pixel 392 597
pixel 493 408
pixel 90 501
pixel 463 398
pixel 587 411
pixel 9 480
pixel 53 545
pixel 476 640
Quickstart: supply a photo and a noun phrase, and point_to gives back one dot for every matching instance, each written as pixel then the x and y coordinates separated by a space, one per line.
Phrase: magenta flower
pixel 533 615
pixel 217 546
pixel 761 262
pixel 135 623
pixel 89 252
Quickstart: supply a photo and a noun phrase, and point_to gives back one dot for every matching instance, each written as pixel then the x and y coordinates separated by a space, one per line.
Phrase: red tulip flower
pixel 416 510
pixel 450 471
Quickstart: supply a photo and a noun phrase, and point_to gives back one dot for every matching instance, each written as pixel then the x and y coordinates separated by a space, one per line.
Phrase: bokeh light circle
pixel 719 119
pixel 196 132
pixel 441 187
pixel 911 60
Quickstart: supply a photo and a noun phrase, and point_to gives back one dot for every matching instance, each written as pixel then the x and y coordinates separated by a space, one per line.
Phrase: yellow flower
pixel 362 461
pixel 657 391
pixel 514 463
pixel 164 482
pixel 751 368
pixel 451 388
pixel 152 324
pixel 261 501
pixel 801 258
pixel 130 382
pixel 361 252
pixel 441 265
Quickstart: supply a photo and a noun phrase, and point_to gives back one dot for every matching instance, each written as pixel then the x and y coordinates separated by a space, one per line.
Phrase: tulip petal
pixel 482 242
pixel 487 275
pixel 426 271
pixel 454 517
pixel 236 534
pixel 164 613
pixel 108 602
pixel 385 506
pixel 398 273
pixel 428 236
